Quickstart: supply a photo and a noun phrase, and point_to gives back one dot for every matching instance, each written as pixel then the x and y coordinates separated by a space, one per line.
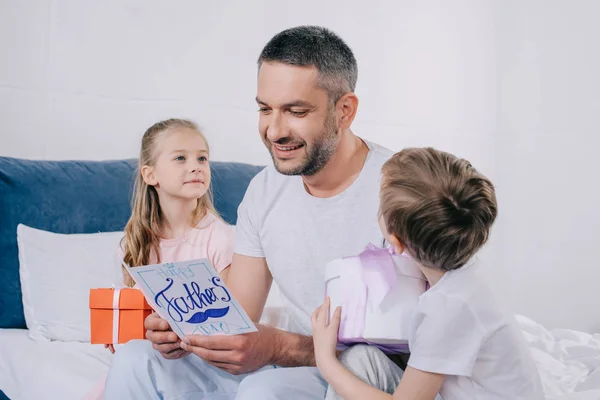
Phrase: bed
pixel 568 361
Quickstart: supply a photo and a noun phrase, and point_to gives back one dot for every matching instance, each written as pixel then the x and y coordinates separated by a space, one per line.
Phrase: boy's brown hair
pixel 437 205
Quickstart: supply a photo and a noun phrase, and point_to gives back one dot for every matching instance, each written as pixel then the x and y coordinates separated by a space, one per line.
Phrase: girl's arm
pixel 415 384
pixel 224 274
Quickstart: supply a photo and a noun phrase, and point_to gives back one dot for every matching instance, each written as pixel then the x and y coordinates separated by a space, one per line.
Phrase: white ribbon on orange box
pixel 115 333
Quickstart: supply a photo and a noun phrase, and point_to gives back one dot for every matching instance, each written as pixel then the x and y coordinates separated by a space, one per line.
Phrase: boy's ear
pixel 148 175
pixel 398 245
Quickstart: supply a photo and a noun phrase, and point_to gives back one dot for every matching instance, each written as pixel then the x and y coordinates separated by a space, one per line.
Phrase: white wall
pixel 548 167
pixel 85 79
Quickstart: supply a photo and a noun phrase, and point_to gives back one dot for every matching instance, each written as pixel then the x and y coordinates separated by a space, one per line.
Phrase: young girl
pixel 438 209
pixel 173 217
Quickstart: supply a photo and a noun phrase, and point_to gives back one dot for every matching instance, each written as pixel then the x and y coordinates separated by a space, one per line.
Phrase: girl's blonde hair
pixel 142 232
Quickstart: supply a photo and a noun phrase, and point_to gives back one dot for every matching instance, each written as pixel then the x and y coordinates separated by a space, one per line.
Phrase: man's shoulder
pixel 378 153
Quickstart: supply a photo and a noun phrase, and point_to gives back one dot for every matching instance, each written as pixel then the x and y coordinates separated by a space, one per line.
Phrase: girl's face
pixel 181 170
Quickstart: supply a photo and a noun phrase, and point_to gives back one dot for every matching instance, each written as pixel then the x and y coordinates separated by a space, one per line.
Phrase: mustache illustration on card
pixel 200 316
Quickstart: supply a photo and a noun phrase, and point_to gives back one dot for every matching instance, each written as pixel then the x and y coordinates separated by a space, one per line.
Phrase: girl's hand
pixel 110 347
pixel 325 334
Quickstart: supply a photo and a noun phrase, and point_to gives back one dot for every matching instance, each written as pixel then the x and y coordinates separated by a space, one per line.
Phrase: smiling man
pixel 318 202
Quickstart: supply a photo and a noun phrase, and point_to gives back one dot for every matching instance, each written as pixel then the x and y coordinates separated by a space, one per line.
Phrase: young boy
pixel 463 345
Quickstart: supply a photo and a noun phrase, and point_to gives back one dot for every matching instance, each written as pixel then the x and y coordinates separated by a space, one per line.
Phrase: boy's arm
pixel 415 384
pixel 419 385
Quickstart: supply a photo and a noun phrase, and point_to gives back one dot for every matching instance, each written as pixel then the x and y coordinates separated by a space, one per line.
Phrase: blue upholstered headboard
pixel 80 197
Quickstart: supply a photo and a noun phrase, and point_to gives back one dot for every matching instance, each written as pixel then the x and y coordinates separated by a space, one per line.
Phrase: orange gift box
pixel 127 307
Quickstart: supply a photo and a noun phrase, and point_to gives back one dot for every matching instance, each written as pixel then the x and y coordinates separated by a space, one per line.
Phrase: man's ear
pixel 346 108
pixel 148 176
pixel 399 247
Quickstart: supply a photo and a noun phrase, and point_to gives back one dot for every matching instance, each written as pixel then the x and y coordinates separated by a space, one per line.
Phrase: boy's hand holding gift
pixel 325 335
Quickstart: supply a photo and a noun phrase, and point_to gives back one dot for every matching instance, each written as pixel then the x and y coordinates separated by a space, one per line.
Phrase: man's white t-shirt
pixel 459 330
pixel 298 234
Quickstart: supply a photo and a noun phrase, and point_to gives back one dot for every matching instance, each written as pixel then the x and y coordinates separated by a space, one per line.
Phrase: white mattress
pixel 568 361
pixel 48 370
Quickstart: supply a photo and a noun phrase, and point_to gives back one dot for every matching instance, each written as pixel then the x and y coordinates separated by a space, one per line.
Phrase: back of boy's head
pixel 437 205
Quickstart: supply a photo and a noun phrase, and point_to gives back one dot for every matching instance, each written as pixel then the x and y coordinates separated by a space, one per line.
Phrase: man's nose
pixel 275 129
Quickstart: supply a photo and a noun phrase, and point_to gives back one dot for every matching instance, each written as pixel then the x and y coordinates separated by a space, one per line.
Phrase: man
pixel 318 202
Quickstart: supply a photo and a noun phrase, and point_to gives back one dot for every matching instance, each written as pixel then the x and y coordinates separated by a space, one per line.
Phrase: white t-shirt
pixel 459 330
pixel 298 234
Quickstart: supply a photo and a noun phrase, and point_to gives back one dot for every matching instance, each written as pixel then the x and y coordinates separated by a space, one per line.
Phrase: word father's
pixel 197 298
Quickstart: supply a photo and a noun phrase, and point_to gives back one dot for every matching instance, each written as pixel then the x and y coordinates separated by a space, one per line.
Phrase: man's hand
pixel 236 354
pixel 163 339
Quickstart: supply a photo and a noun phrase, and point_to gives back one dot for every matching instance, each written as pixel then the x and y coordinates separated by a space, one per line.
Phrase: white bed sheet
pixel 32 369
pixel 48 370
pixel 568 362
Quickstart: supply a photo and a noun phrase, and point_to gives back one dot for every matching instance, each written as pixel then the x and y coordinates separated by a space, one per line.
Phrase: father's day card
pixel 192 297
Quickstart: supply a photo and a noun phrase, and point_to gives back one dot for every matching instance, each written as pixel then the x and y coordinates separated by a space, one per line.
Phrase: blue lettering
pixel 182 305
pixel 196 298
pixel 191 295
pixel 206 331
pixel 170 306
pixel 169 271
pixel 216 281
pixel 209 329
pixel 187 272
pixel 224 327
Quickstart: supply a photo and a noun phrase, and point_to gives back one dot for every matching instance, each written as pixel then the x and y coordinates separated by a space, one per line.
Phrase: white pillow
pixel 57 272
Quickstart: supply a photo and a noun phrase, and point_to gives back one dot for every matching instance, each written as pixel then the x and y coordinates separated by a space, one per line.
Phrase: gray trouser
pixel 372 366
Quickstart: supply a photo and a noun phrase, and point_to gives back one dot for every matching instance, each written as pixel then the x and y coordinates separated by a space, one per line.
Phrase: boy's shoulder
pixel 465 293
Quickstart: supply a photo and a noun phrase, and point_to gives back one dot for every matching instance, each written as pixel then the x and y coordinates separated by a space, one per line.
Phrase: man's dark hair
pixel 309 46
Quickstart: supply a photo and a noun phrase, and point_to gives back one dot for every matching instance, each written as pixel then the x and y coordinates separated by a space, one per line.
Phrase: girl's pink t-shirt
pixel 211 238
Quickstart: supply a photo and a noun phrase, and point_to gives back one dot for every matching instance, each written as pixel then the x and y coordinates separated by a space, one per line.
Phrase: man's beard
pixel 319 153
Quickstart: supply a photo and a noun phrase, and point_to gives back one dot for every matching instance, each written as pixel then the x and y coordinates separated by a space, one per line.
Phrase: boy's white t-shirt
pixel 459 330
pixel 298 234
